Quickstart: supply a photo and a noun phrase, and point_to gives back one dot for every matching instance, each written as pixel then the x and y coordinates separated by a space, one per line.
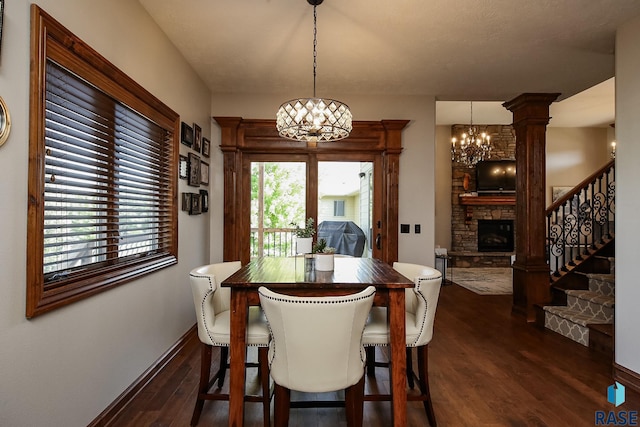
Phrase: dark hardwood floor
pixel 487 368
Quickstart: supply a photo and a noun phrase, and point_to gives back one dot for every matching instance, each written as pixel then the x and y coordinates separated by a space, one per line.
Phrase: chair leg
pixel 354 399
pixel 281 406
pixel 370 352
pixel 203 386
pixel 224 355
pixel 423 371
pixel 263 371
pixel 410 368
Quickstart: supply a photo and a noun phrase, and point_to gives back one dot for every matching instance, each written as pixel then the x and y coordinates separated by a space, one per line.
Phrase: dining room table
pixel 297 276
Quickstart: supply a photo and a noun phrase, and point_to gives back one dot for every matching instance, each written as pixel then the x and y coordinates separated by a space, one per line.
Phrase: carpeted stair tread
pixel 594 297
pixel 576 317
pixel 607 277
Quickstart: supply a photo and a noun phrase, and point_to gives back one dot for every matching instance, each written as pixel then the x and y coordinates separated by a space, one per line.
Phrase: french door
pixel 375 147
pixel 343 214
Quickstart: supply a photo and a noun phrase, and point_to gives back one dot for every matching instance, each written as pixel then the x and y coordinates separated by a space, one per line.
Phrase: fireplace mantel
pixel 487 200
pixel 468 201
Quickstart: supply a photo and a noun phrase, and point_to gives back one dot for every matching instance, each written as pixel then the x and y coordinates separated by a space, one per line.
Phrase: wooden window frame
pixel 50 41
pixel 245 140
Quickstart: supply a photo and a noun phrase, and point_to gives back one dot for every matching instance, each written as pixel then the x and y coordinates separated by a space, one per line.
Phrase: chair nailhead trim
pixel 424 318
pixel 202 310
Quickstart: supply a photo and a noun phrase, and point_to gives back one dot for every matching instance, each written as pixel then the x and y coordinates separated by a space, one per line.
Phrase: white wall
pixel 627 351
pixel 443 187
pixel 65 367
pixel 417 171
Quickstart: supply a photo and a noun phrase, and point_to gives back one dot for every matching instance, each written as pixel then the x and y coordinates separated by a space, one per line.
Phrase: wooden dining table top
pixel 290 272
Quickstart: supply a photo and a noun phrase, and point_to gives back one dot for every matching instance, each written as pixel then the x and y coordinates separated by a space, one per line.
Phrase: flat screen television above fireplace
pixel 496 176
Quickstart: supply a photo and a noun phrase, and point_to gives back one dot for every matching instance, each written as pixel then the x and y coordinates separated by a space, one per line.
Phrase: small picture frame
pixel 194 170
pixel 186 134
pixel 183 167
pixel 204 200
pixel 196 206
pixel 558 192
pixel 204 173
pixel 197 137
pixel 206 147
pixel 1 19
pixel 186 202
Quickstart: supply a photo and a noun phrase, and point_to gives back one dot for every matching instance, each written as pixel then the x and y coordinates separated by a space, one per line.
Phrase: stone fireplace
pixel 469 210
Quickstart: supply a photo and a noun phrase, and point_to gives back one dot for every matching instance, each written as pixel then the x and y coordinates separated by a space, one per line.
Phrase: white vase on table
pixel 324 262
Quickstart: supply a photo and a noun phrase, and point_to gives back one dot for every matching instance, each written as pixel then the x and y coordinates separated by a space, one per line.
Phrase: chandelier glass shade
pixel 314 119
pixel 472 147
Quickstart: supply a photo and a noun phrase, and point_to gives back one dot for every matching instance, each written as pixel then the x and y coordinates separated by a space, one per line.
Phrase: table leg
pixel 398 356
pixel 237 352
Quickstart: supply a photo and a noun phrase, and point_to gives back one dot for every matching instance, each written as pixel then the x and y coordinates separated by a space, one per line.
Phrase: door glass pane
pixel 277 199
pixel 345 204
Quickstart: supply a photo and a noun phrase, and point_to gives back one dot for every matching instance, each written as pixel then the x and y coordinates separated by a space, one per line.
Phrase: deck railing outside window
pixel 275 242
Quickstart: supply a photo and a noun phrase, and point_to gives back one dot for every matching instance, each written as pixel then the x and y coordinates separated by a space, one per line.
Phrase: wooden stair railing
pixel 581 222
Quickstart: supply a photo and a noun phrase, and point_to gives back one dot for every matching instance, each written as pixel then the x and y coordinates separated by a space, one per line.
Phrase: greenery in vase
pixel 320 247
pixel 307 231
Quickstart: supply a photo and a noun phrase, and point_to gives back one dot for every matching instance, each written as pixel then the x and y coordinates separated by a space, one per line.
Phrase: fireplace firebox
pixel 495 235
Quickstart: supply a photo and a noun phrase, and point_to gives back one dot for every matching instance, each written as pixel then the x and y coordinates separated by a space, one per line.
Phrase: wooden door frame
pixel 242 139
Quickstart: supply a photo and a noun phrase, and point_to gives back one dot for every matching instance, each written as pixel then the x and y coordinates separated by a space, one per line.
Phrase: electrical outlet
pixel 404 228
pixel 417 228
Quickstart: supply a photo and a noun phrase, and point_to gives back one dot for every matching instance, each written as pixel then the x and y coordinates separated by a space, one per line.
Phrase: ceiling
pixel 455 50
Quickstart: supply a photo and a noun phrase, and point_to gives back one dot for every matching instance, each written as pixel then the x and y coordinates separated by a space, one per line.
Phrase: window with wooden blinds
pixel 102 174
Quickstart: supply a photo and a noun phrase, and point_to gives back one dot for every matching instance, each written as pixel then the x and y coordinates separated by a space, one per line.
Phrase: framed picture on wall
pixel 1 15
pixel 194 170
pixel 186 202
pixel 206 146
pixel 204 200
pixel 197 137
pixel 204 173
pixel 183 167
pixel 558 192
pixel 196 206
pixel 186 134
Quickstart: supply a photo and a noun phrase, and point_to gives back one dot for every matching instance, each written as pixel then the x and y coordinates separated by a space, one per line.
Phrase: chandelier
pixel 473 147
pixel 314 119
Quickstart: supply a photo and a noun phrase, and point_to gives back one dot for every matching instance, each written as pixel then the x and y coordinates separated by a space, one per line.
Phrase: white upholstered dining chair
pixel 317 347
pixel 420 310
pixel 212 304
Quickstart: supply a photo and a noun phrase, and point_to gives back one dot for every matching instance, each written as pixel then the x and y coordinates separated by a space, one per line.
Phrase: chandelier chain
pixel 315 48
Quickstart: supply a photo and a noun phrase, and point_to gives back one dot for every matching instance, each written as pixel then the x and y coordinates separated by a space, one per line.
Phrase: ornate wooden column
pixel 530 269
pixel 231 162
pixel 393 130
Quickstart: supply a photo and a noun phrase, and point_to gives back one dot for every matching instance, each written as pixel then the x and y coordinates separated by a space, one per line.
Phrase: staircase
pixel 581 249
pixel 587 315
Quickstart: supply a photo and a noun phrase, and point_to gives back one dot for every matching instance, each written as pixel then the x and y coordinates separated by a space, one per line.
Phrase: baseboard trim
pixel 626 377
pixel 110 413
